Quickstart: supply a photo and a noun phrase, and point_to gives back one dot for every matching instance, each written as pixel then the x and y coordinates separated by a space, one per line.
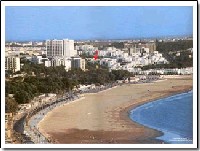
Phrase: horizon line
pixel 92 39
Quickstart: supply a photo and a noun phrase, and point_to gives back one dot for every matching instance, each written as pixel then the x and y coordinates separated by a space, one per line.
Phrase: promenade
pixel 37 114
pixel 28 125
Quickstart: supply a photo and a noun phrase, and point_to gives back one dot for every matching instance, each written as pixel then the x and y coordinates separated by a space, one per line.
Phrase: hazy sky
pixel 40 23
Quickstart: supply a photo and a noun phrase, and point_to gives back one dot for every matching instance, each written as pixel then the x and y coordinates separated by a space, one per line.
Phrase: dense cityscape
pixel 42 74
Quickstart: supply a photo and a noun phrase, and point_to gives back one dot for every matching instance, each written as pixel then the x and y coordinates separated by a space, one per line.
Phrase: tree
pixel 11 105
pixel 121 74
pixel 18 72
pixel 119 45
pixel 22 97
pixel 8 73
pixel 174 46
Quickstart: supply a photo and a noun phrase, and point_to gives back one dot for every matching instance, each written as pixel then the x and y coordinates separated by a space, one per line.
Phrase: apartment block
pixel 59 62
pixel 78 62
pixel 12 63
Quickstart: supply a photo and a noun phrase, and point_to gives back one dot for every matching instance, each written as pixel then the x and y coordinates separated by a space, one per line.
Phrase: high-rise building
pixel 78 62
pixel 60 48
pixel 12 63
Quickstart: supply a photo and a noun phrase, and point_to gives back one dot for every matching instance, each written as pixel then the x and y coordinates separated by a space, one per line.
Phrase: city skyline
pixel 83 22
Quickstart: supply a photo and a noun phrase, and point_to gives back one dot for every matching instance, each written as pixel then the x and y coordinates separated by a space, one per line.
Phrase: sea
pixel 171 115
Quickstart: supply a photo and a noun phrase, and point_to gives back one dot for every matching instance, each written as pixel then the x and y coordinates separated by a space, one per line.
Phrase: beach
pixel 102 118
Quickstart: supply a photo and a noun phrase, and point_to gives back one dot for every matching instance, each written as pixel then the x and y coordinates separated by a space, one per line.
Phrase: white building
pixel 60 48
pixel 102 52
pixel 87 47
pixel 59 62
pixel 30 43
pixel 12 63
pixel 109 62
pixel 188 70
pixel 183 71
pixel 38 59
pixel 125 55
pixel 78 62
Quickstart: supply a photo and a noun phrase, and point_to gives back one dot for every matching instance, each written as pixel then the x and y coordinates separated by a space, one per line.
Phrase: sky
pixel 96 22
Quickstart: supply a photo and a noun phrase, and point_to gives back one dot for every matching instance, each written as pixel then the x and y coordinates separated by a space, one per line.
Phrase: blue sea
pixel 172 115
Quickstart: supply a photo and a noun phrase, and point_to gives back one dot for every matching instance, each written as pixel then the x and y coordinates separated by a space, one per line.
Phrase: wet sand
pixel 102 118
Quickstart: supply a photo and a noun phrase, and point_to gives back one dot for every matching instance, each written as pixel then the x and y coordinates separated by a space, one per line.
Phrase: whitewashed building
pixel 12 63
pixel 66 62
pixel 38 59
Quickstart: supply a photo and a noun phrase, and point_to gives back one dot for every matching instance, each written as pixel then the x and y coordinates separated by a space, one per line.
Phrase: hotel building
pixel 60 48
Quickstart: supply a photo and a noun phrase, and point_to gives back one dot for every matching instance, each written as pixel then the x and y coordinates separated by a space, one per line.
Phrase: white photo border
pixel 100 3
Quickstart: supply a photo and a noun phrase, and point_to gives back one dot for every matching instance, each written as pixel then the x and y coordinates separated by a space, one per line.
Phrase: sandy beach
pixel 103 117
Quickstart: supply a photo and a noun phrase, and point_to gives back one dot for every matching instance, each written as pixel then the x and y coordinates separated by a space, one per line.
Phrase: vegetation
pixel 169 51
pixel 57 80
pixel 119 45
pixel 165 47
pixel 11 105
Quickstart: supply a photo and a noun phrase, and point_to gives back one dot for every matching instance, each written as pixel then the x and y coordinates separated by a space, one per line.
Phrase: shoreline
pixel 123 112
pixel 47 136
pixel 165 132
pixel 40 116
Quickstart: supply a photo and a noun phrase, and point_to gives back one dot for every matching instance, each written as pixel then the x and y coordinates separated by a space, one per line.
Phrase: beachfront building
pixel 186 71
pixel 58 61
pixel 173 71
pixel 60 48
pixel 12 63
pixel 78 62
pixel 86 87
